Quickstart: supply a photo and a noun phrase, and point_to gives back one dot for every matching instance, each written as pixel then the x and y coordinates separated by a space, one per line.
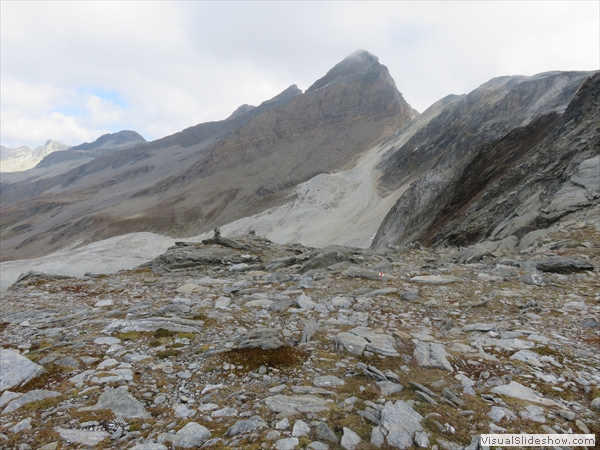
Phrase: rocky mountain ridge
pixel 104 145
pixel 500 163
pixel 24 158
pixel 242 165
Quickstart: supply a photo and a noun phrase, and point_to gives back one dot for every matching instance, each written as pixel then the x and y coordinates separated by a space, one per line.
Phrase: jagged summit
pixel 243 109
pixel 353 63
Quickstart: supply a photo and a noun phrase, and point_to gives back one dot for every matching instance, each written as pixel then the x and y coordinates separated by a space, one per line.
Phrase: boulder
pixel 264 338
pixel 16 369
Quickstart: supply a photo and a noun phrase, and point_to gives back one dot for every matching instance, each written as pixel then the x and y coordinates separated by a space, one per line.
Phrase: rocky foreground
pixel 243 343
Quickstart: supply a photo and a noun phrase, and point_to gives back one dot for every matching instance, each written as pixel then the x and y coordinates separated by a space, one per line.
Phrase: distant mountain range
pixel 24 158
pixel 349 161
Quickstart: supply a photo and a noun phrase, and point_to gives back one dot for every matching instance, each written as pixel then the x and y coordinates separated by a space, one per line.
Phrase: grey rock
pixel 426 398
pixel 8 396
pixel 224 412
pixel 316 445
pixel 152 324
pixel 351 343
pixel 323 432
pixel 222 302
pixel 422 388
pixel 328 381
pixel 304 302
pixel 422 439
pixel 497 414
pixel 311 390
pixel 190 436
pixel 534 413
pixel 449 394
pixel 483 327
pixel 264 338
pixel 296 403
pixel 372 372
pixel 287 443
pixel 388 388
pixel 399 423
pixel 283 424
pixel 432 355
pixel 563 265
pixel 183 412
pixel 87 438
pixel 435 279
pixel 566 414
pixel 477 252
pixel 121 403
pixel 527 356
pixel 106 340
pixel 380 292
pixel 16 369
pixel 350 440
pixel 359 272
pixel 300 429
pixel 410 295
pixel 246 426
pixel 595 404
pixel 23 425
pixel 150 446
pixel 31 396
pixel 517 390
pixel 377 342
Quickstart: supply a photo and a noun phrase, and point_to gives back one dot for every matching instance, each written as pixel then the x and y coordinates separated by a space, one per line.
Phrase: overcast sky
pixel 72 71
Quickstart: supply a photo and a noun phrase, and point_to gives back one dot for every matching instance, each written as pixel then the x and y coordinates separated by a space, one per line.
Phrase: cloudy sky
pixel 71 71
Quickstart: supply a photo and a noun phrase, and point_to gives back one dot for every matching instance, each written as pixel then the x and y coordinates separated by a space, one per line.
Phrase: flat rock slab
pixel 150 446
pixel 377 342
pixel 246 426
pixel 310 390
pixel 168 323
pixel 517 390
pixel 264 338
pixel 429 354
pixel 297 403
pixel 16 369
pixel 399 423
pixel 29 397
pixel 121 403
pixel 483 327
pixel 87 438
pixel 328 381
pixel 351 343
pixel 360 339
pixel 435 279
pixel 359 272
pixel 563 265
pixel 388 388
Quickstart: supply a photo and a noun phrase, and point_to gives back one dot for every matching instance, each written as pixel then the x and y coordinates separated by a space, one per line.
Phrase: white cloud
pixel 175 64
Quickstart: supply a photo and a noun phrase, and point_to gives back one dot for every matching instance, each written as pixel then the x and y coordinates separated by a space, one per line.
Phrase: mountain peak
pixel 351 64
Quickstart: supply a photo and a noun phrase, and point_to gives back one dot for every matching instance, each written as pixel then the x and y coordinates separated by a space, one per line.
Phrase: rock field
pixel 239 342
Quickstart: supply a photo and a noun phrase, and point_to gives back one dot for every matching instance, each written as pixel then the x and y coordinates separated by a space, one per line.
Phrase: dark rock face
pixel 503 160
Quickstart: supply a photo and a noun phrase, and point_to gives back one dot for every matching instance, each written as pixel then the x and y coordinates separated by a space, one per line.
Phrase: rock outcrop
pixel 511 157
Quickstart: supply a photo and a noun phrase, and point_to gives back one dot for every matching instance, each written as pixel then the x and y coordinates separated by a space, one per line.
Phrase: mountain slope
pixel 510 143
pixel 210 174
